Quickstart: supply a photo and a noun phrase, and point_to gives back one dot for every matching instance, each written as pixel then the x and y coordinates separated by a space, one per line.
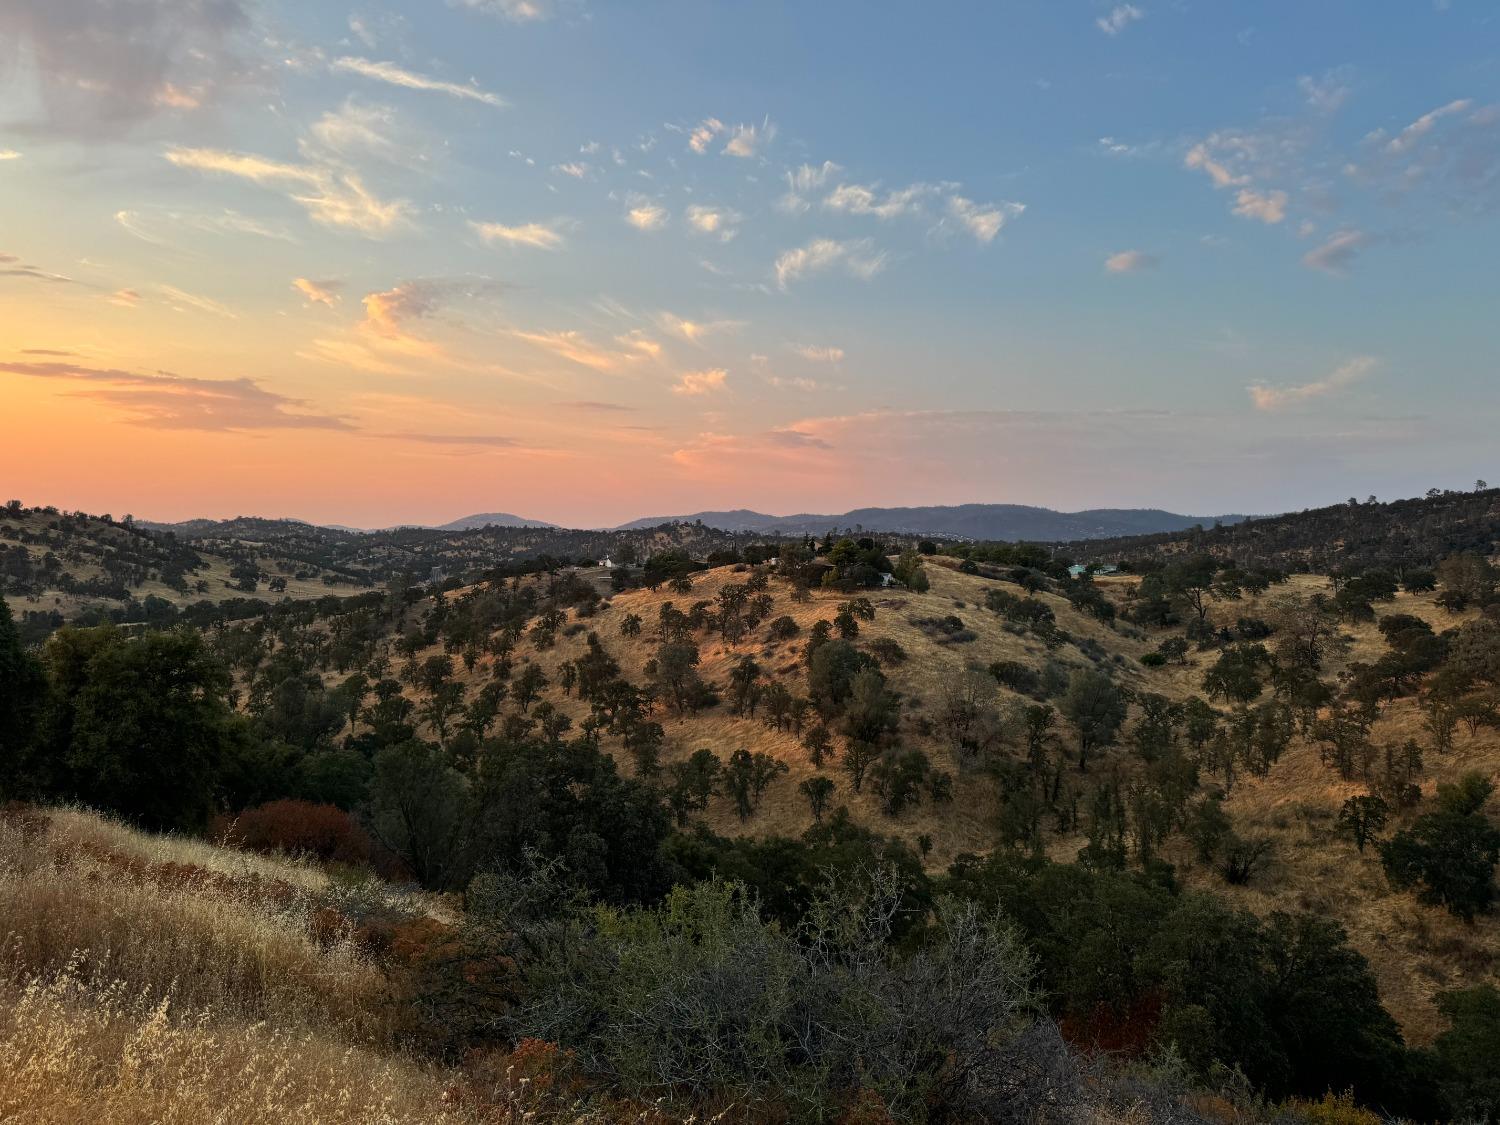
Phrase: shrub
pixel 784 628
pixel 296 827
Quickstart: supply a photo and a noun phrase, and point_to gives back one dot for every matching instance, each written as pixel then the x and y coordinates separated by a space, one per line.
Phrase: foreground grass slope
pixel 157 979
pixel 165 980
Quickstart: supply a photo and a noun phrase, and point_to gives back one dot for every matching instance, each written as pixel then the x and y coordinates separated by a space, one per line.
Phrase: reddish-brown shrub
pixel 297 827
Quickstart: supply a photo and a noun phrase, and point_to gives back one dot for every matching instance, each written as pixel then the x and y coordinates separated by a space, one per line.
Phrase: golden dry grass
pixel 965 825
pixel 158 981
pixel 73 1051
pixel 86 896
pixel 1415 951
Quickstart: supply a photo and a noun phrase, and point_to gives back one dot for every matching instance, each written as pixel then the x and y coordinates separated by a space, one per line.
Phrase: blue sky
pixel 591 260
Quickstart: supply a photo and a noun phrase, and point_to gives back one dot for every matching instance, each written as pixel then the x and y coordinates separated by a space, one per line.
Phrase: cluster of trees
pixel 53 550
pixel 1354 536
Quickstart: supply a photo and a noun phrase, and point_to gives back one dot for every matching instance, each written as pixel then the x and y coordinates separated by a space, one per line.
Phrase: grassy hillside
pixel 65 564
pixel 1416 950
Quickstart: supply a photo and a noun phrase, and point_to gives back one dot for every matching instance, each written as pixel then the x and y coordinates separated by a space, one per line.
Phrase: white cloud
pixel 1336 255
pixel 1328 93
pixel 516 11
pixel 856 199
pixel 646 215
pixel 1131 261
pixel 718 221
pixel 399 76
pixel 747 140
pixel 702 135
pixel 983 220
pixel 1345 375
pixel 1267 206
pixel 701 382
pixel 576 168
pixel 181 299
pixel 857 256
pixel 819 354
pixel 1408 137
pixel 355 129
pixel 1119 18
pixel 808 177
pixel 1200 157
pixel 577 348
pixel 539 236
pixel 695 330
pixel 337 199
pixel 156 227
pixel 318 292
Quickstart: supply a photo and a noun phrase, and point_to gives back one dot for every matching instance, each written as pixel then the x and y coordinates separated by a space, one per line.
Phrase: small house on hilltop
pixel 1078 570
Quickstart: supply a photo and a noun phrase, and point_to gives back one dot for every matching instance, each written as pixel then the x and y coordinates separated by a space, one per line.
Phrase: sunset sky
pixel 586 261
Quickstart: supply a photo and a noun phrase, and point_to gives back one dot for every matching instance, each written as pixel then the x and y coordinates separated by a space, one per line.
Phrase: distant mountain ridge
pixel 1004 522
pixel 967 521
pixel 199 527
pixel 488 519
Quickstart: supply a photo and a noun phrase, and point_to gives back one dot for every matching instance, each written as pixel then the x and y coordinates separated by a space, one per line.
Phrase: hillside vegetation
pixel 1210 809
pixel 1353 536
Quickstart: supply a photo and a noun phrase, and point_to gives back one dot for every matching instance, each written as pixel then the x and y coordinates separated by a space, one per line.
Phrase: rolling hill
pixel 999 522
pixel 1411 532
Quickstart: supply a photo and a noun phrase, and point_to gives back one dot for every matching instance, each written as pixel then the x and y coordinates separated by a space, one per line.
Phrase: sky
pixel 586 261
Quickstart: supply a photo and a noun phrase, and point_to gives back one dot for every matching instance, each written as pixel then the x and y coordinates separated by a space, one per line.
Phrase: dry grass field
pixel 148 979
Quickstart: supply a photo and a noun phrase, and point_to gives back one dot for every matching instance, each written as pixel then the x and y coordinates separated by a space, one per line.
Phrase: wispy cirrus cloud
pixel 178 402
pixel 1270 398
pixel 164 228
pixel 694 331
pixel 983 220
pixel 701 135
pixel 859 199
pixel 1119 18
pixel 701 382
pixel 515 11
pixel 538 236
pixel 819 353
pixel 575 347
pixel 857 257
pixel 1409 137
pixel 1131 261
pixel 396 75
pixel 802 180
pixel 180 300
pixel 1338 252
pixel 331 197
pixel 713 220
pixel 746 141
pixel 12 266
pixel 326 293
